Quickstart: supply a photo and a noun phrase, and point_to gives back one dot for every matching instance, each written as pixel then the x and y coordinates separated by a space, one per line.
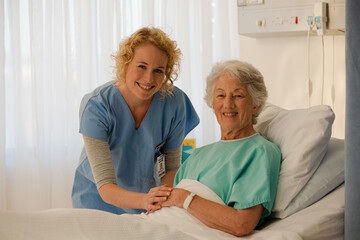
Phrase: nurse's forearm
pixel 173 159
pixel 172 164
pixel 100 160
pixel 169 178
pixel 120 197
pixel 117 196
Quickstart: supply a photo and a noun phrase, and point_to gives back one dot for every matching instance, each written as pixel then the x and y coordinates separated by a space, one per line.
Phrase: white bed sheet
pixel 322 220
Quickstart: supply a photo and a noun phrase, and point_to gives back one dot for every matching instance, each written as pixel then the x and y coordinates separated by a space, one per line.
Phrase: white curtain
pixel 52 52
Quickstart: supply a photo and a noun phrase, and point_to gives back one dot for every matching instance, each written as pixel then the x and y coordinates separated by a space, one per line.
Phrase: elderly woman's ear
pixel 256 108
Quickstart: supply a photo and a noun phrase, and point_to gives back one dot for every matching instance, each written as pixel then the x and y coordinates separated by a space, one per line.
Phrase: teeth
pixel 230 114
pixel 145 87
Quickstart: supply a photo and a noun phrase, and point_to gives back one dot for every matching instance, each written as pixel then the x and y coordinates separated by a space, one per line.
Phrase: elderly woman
pixel 243 167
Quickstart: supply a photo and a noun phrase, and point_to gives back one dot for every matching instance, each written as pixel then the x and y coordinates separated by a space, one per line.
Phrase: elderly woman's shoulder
pixel 265 140
pixel 206 147
pixel 268 145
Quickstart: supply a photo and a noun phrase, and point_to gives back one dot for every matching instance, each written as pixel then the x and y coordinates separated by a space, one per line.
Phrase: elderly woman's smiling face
pixel 233 107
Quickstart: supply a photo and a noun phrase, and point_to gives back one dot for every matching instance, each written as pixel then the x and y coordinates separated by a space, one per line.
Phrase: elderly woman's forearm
pixel 224 218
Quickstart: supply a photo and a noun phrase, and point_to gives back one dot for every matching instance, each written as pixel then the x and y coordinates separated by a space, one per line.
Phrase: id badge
pixel 161 166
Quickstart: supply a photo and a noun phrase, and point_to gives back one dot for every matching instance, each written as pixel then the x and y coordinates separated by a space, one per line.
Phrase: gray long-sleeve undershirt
pixel 101 163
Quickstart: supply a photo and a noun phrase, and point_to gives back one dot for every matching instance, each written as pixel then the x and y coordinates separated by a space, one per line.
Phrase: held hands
pixel 176 198
pixel 154 199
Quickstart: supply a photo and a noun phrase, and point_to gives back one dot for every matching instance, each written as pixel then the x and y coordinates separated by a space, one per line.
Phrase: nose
pixel 229 102
pixel 148 77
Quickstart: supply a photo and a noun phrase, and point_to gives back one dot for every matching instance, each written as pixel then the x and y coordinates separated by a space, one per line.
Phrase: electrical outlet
pixel 320 17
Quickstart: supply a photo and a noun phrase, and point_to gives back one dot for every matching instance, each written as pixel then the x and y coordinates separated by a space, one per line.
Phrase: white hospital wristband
pixel 188 200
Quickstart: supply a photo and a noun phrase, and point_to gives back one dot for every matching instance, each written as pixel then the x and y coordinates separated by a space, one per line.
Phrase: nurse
pixel 133 129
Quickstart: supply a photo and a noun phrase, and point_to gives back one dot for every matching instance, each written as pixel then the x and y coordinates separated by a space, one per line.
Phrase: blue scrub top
pixel 104 115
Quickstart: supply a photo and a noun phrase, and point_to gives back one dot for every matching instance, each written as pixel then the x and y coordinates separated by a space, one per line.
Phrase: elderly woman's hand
pixel 176 198
pixel 154 199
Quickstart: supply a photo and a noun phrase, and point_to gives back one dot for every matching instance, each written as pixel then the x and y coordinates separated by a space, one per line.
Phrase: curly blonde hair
pixel 161 40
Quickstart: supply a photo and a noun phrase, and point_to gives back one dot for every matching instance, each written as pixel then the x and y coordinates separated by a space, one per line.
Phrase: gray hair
pixel 245 73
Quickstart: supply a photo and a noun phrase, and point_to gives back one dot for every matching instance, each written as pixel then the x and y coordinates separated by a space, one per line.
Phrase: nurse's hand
pixel 155 197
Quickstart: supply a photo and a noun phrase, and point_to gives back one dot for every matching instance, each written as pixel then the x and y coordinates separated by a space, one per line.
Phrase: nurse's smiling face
pixel 233 107
pixel 146 72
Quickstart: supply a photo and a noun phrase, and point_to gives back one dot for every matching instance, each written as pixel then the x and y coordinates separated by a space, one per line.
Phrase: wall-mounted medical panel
pixel 270 18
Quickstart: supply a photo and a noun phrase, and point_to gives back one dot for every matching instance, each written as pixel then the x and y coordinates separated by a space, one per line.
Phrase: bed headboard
pixel 352 123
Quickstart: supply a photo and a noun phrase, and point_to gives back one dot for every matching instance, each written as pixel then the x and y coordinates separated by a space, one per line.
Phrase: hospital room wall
pixel 284 64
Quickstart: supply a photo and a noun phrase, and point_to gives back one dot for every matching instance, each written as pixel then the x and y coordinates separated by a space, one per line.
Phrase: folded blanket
pixel 182 220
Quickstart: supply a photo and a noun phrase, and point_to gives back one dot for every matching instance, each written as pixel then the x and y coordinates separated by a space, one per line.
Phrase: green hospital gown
pixel 242 172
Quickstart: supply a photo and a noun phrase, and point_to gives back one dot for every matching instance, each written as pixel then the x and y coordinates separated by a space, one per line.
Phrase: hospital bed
pixel 309 202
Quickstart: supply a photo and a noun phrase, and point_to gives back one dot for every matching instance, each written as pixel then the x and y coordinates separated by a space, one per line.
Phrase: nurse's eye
pixel 142 66
pixel 159 71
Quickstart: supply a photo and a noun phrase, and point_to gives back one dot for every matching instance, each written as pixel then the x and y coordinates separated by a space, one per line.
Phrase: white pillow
pixel 326 178
pixel 302 136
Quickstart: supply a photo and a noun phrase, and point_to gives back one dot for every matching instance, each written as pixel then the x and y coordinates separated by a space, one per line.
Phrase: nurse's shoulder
pixel 99 95
pixel 178 98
